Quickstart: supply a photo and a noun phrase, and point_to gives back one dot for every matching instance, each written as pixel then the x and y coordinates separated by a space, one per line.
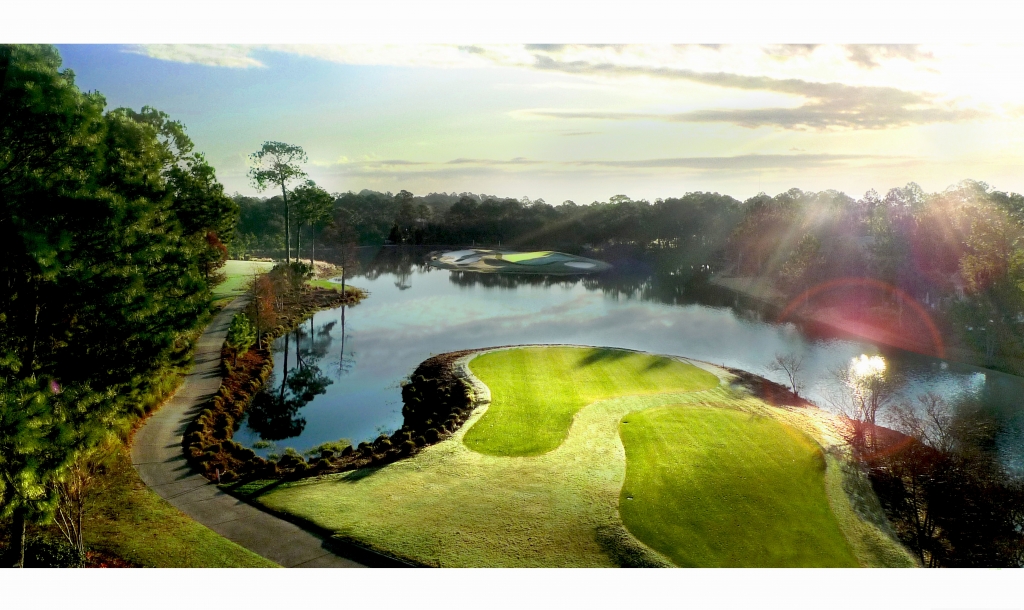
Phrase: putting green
pixel 537 391
pixel 712 487
pixel 519 257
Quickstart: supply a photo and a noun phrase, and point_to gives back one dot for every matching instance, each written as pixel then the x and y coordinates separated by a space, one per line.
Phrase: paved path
pixel 158 457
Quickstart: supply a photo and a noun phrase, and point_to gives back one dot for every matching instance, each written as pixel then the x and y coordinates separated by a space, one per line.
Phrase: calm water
pixel 343 377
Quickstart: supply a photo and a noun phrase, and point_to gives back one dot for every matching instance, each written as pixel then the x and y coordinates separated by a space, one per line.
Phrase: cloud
pixel 241 56
pixel 822 105
pixel 818 116
pixel 788 51
pixel 395 162
pixel 827 105
pixel 552 48
pixel 515 161
pixel 218 55
pixel 868 55
pixel 735 163
pixel 746 162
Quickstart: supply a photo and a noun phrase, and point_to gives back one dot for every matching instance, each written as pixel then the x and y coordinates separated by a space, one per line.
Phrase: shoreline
pixel 845 486
pixel 828 318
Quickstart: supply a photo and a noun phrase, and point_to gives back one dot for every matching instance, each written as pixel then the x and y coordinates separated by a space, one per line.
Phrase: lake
pixel 344 366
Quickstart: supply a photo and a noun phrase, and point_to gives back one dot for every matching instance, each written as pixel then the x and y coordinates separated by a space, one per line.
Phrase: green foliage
pixel 43 552
pixel 241 334
pixel 799 269
pixel 314 207
pixel 113 229
pixel 277 164
pixel 338 447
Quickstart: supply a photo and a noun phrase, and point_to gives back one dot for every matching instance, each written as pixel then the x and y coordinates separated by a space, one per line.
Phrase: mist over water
pixel 350 388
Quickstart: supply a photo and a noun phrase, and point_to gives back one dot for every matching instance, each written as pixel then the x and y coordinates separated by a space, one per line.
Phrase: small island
pixel 545 262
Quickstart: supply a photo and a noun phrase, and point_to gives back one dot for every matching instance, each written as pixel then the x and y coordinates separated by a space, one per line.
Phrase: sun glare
pixel 865 366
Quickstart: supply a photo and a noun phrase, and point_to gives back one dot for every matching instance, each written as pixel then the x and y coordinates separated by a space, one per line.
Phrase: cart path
pixel 158 457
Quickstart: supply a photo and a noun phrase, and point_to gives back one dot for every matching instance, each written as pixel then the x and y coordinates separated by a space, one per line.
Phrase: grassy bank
pixel 450 505
pixel 128 520
pixel 349 289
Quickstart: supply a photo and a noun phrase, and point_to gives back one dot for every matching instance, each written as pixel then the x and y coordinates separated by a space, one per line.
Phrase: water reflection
pixel 274 413
pixel 661 304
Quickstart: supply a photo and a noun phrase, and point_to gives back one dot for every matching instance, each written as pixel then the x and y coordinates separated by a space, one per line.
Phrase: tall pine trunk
pixel 284 377
pixel 287 227
pixel 312 249
pixel 16 550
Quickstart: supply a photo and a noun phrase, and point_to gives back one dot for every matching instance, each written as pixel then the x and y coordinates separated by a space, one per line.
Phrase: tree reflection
pixel 344 365
pixel 273 414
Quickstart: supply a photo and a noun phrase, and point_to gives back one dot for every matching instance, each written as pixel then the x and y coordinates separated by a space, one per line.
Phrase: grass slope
pixel 127 519
pixel 723 488
pixel 537 391
pixel 455 507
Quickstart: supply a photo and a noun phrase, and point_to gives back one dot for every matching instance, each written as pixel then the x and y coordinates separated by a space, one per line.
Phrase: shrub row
pixel 208 443
pixel 436 403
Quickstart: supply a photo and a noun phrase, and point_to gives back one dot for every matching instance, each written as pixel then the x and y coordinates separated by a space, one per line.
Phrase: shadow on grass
pixel 656 362
pixel 359 475
pixel 251 490
pixel 627 551
pixel 342 546
pixel 770 392
pixel 596 354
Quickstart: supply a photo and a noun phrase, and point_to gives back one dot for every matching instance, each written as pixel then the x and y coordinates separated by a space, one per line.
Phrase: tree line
pixel 111 233
pixel 957 252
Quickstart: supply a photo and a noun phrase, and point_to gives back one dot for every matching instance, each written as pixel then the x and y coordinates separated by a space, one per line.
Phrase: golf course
pixel 546 262
pixel 590 457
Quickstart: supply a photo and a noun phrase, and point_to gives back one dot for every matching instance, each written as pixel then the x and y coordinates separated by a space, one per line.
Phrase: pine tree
pixel 104 227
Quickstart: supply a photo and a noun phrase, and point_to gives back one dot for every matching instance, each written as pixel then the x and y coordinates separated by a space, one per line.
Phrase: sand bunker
pixel 508 261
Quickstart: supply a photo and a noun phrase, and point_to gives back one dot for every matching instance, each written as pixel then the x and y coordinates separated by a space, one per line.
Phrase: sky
pixel 584 122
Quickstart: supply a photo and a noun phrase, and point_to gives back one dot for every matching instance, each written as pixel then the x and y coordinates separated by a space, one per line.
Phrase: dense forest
pixel 112 231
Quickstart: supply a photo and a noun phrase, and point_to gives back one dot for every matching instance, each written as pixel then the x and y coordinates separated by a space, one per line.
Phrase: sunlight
pixel 865 367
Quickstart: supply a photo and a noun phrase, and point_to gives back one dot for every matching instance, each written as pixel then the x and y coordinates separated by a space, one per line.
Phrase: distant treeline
pixel 959 252
pixel 373 218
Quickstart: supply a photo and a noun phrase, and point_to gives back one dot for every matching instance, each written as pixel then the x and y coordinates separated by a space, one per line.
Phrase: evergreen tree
pixel 314 206
pixel 104 225
pixel 277 163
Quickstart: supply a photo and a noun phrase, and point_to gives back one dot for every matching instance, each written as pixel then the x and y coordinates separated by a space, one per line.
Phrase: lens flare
pixel 888 334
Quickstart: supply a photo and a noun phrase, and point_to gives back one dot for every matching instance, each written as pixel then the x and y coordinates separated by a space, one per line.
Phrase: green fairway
pixel 238 274
pixel 723 488
pixel 537 391
pixel 451 506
